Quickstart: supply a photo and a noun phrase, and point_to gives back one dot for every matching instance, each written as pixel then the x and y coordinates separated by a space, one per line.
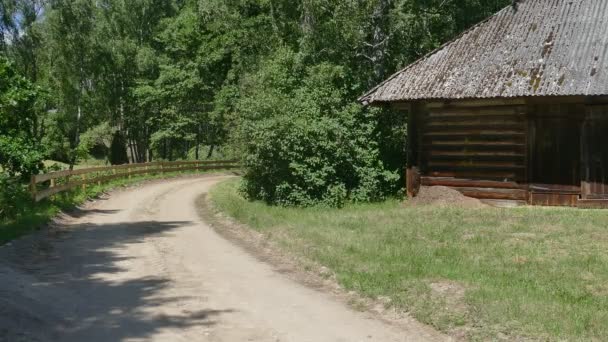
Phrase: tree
pixel 20 153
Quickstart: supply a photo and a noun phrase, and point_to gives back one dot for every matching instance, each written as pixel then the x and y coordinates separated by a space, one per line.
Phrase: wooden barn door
pixel 555 154
pixel 595 154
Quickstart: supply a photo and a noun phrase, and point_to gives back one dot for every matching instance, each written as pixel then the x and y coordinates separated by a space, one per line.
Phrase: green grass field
pixel 487 273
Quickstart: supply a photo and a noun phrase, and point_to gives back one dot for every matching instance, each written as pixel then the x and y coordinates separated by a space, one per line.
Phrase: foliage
pixel 118 150
pixel 12 197
pixel 19 150
pixel 304 143
pixel 97 139
pixel 181 76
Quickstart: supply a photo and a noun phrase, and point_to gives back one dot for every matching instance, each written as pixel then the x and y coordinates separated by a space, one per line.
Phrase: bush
pixel 304 145
pixel 20 153
pixel 13 196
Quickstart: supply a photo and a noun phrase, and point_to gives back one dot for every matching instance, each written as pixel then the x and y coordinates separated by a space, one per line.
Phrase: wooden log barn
pixel 515 110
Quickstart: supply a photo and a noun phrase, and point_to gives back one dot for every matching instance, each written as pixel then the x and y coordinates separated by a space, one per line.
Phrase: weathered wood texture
pixel 593 204
pixel 595 153
pixel 480 151
pixel 412 177
pixel 539 151
pixel 46 185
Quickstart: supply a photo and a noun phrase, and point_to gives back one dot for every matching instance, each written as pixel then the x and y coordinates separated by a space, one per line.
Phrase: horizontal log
pixel 467 158
pixel 554 199
pixel 493 193
pixel 481 175
pixel 555 188
pixel 593 204
pixel 475 148
pixel 460 143
pixel 475 132
pixel 480 166
pixel 504 203
pixel 471 183
pixel 481 129
pixel 466 153
pixel 468 121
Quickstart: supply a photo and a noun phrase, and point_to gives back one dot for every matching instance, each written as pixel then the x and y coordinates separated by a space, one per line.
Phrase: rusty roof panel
pixel 542 48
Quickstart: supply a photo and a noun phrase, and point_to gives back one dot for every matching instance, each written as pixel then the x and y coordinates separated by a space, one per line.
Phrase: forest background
pixel 273 83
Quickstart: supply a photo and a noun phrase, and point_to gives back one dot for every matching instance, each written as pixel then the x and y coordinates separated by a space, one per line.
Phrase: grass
pixel 484 274
pixel 36 215
pixel 91 162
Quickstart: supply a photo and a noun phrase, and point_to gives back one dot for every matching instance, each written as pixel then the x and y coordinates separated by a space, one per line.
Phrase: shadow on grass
pixel 77 278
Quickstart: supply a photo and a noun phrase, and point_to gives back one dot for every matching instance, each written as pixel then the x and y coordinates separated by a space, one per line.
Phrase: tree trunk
pixel 198 142
pixel 170 149
pixel 76 136
pixel 379 40
pixel 210 154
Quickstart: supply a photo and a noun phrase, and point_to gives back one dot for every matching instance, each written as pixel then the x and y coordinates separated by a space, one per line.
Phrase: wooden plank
pixel 480 166
pixel 504 203
pixel 130 171
pixel 52 175
pixel 468 158
pixel 473 121
pixel 475 153
pixel 494 193
pixel 477 133
pixel 470 183
pixel 500 175
pixel 481 129
pixel 474 143
pixel 553 199
pixel 593 204
pixel 555 188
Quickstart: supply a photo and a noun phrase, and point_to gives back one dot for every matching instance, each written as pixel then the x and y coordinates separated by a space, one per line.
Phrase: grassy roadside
pixel 38 214
pixel 477 273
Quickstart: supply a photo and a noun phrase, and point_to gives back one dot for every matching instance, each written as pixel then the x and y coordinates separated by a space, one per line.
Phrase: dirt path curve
pixel 142 266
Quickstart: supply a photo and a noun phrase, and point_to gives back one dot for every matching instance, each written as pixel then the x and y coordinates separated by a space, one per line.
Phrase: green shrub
pixel 20 153
pixel 304 144
pixel 13 196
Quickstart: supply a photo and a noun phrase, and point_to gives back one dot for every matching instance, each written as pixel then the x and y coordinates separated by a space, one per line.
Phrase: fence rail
pixel 49 184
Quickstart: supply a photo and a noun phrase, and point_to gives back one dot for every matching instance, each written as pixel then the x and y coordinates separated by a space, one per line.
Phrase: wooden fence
pixel 49 184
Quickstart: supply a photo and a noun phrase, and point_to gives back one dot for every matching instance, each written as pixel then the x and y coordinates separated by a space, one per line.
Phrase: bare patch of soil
pixel 441 196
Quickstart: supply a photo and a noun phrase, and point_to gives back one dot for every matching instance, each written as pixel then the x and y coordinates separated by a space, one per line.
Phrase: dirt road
pixel 141 265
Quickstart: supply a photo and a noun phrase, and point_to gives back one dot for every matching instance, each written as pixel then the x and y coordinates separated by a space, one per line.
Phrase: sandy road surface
pixel 142 266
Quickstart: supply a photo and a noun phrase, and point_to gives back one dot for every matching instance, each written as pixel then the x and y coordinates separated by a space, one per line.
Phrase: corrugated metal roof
pixel 542 48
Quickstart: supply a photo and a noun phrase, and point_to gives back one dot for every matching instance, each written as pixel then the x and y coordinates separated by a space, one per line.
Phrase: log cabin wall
pixel 478 148
pixel 542 151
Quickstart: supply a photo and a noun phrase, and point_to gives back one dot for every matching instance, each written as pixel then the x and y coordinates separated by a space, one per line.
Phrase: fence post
pixel 129 172
pixel 84 182
pixel 33 186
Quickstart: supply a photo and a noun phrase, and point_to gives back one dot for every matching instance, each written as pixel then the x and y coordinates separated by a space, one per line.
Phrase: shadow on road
pixel 74 287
